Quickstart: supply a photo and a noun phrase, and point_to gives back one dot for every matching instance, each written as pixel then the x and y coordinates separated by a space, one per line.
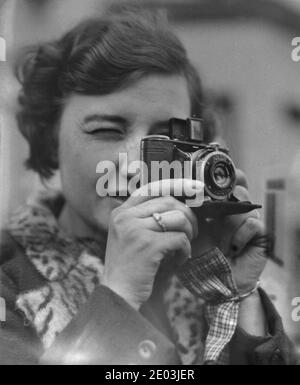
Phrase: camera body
pixel 187 156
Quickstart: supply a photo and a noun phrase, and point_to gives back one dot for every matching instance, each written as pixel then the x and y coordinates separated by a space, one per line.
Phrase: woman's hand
pixel 241 238
pixel 137 243
pixel 247 247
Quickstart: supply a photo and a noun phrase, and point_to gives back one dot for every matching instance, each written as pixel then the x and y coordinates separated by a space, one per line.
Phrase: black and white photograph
pixel 150 185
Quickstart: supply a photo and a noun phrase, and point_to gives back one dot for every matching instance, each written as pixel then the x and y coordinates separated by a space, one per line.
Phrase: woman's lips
pixel 121 196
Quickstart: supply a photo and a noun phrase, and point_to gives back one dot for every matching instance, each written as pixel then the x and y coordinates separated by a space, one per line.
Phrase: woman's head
pixel 126 66
pixel 97 57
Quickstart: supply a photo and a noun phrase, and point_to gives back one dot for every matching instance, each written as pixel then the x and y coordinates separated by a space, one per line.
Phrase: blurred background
pixel 242 50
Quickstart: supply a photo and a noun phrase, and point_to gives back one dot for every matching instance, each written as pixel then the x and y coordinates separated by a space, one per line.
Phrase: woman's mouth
pixel 121 196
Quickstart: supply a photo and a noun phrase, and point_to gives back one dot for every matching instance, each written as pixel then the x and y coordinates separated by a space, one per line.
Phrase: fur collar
pixel 72 268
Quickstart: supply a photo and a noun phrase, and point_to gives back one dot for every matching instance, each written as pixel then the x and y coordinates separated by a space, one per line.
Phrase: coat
pixel 104 329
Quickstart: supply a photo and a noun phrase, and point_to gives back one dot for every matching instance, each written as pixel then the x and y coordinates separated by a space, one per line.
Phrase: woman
pixel 90 279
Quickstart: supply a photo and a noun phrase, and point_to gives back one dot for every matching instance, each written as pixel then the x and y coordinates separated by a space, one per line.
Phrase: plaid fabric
pixel 210 277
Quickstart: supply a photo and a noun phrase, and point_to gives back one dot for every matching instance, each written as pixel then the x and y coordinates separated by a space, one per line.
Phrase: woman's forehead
pixel 164 96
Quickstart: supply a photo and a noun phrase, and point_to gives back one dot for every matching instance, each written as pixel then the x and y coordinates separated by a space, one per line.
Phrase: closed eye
pixel 104 130
pixel 107 133
pixel 105 126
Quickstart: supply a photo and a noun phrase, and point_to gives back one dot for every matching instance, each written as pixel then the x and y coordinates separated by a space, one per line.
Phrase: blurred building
pixel 242 50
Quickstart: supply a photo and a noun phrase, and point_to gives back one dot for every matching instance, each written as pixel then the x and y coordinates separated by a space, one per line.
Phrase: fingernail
pixel 199 187
pixel 197 184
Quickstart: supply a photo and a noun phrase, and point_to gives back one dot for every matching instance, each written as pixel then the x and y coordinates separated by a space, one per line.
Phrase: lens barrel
pixel 217 171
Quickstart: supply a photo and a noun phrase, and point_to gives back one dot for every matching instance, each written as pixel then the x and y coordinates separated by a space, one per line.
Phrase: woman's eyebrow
pixel 105 118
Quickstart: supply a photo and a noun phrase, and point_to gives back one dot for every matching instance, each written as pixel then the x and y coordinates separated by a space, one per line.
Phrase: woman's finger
pixel 251 229
pixel 174 220
pixel 164 204
pixel 241 179
pixel 166 187
pixel 241 193
pixel 174 244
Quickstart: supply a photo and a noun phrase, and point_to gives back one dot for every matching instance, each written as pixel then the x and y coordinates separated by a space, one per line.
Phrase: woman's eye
pixel 107 132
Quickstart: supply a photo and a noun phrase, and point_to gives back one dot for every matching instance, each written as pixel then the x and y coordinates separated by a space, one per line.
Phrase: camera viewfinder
pixel 186 130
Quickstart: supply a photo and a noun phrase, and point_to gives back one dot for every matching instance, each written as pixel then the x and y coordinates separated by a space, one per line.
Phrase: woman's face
pixel 99 128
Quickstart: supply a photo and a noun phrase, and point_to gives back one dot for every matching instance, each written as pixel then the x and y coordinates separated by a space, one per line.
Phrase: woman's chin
pixel 106 206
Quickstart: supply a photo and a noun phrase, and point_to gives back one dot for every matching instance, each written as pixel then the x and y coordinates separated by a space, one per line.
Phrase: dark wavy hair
pixel 97 57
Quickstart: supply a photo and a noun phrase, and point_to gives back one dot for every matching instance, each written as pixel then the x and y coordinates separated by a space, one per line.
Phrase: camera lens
pixel 216 170
pixel 221 175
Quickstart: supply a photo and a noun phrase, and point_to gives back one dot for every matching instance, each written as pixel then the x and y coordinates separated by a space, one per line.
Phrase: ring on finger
pixel 158 219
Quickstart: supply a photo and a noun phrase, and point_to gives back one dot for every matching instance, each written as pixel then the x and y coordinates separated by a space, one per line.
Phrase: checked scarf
pixel 209 277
